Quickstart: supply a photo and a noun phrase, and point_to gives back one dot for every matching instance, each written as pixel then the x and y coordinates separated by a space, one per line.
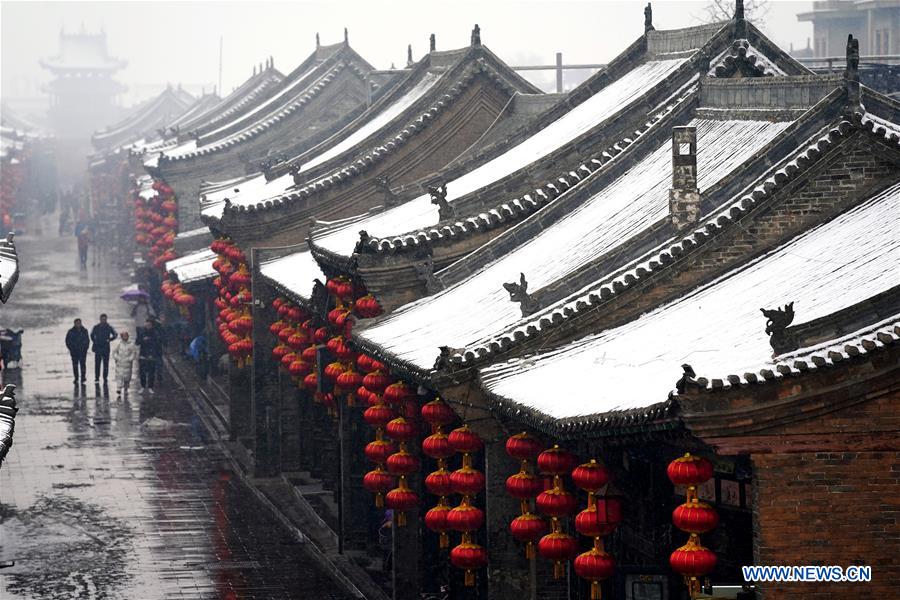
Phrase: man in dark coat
pixel 150 345
pixel 101 335
pixel 78 342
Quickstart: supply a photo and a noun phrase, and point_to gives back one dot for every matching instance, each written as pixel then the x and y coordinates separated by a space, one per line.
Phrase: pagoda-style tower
pixel 83 91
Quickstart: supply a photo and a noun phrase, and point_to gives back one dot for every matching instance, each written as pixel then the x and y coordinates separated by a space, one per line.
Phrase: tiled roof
pixel 722 220
pixel 382 151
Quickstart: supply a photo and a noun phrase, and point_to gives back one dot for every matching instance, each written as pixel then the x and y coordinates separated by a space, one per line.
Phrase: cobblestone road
pixel 107 499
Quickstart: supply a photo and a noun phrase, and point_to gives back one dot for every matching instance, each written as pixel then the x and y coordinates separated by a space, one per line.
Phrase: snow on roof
pixel 258 189
pixel 196 266
pixel 273 109
pixel 9 267
pixel 480 306
pixel 717 328
pixel 419 213
pixel 294 273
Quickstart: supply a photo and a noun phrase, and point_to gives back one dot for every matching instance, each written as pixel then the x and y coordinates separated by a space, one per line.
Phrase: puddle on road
pixel 64 547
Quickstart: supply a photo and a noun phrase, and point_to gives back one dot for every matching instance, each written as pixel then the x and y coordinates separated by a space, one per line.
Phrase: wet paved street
pixel 107 499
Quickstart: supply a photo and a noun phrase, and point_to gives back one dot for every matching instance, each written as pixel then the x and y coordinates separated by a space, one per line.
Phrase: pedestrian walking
pixel 150 354
pixel 83 234
pixel 125 354
pixel 78 341
pixel 101 335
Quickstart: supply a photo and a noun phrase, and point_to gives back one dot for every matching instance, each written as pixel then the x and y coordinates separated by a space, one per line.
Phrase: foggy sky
pixel 178 42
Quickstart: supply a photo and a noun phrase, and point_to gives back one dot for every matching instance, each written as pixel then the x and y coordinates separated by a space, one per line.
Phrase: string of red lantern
pixel 527 528
pixel 556 503
pixel 437 446
pixel 694 517
pixel 600 518
pixel 465 518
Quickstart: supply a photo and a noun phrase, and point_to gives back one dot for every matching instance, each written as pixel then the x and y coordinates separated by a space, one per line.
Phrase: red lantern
pixel 464 440
pixel 279 351
pixel 556 502
pixel 402 463
pixel 590 476
pixel 321 335
pixel 523 486
pixel 600 518
pixel 556 461
pixel 378 482
pixel 693 560
pixel 437 446
pixel 398 392
pixel 695 517
pixel 376 381
pixel 437 413
pixel 333 370
pixel 401 430
pixel 469 557
pixel 467 481
pixel 378 415
pixel 400 500
pixel 523 446
pixel 309 354
pixel 595 565
pixel 560 548
pixel 299 368
pixel 528 528
pixel 690 470
pixel 465 518
pixel 349 380
pixel 311 382
pixel 436 520
pixel 378 451
pixel 438 483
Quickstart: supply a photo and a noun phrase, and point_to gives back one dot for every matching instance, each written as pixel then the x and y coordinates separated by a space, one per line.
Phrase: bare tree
pixel 717 11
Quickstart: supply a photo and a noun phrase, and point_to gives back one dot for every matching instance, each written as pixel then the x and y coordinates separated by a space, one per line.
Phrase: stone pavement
pixel 106 499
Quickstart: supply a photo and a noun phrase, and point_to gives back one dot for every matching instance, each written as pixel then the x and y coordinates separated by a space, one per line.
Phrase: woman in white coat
pixel 125 354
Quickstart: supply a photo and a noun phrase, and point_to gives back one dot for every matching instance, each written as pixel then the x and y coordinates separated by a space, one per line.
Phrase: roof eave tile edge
pixel 865 345
pixel 716 224
pixel 658 417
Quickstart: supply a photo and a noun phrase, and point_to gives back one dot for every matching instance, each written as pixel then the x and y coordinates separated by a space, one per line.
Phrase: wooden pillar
pixel 265 395
pixel 355 501
pixel 407 552
pixel 508 569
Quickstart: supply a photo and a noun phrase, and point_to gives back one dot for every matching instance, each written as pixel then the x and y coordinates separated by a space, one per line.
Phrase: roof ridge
pixel 529 203
pixel 711 227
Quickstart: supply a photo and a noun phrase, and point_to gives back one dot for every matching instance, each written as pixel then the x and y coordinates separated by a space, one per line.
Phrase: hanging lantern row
pixel 528 528
pixel 692 561
pixel 466 518
pixel 437 446
pixel 176 293
pixel 156 223
pixel 234 298
pixel 600 518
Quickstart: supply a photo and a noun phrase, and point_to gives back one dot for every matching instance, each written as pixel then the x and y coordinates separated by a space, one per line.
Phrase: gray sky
pixel 179 41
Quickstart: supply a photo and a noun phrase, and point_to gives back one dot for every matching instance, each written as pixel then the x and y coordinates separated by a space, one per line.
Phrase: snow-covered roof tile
pixel 480 306
pixel 717 328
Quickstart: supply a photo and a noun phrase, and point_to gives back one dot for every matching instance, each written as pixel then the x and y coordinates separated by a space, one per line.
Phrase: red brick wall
pixel 829 508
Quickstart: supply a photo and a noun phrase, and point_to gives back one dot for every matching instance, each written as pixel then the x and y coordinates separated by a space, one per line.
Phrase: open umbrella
pixel 134 295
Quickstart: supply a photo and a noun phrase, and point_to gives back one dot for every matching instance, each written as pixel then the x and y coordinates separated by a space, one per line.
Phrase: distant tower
pixel 83 90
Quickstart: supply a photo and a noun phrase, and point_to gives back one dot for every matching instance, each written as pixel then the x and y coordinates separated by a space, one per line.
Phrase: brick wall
pixel 829 508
